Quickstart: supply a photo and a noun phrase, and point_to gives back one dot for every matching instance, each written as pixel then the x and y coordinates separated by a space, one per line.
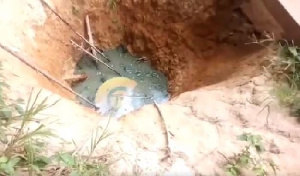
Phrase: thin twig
pixel 267 117
pixel 89 31
pixel 167 138
pixel 66 23
pixel 94 57
pixel 228 161
pixel 22 59
pixel 80 150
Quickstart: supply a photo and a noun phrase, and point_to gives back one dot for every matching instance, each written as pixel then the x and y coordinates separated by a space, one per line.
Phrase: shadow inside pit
pixel 219 67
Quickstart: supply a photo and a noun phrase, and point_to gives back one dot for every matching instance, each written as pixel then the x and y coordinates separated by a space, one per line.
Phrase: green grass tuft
pixel 23 149
pixel 285 70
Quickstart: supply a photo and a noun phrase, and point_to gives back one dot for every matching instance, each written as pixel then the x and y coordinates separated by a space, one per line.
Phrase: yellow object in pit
pixel 114 95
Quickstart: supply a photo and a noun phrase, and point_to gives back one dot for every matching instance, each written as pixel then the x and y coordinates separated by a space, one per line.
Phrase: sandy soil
pixel 221 101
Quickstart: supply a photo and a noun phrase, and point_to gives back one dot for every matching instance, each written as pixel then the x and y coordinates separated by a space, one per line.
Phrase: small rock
pixel 258 81
pixel 274 148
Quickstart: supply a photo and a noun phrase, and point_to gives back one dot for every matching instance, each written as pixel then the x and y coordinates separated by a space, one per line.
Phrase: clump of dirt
pixel 181 38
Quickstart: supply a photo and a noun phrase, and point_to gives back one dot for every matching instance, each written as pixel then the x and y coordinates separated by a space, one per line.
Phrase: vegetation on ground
pixel 250 159
pixel 285 69
pixel 23 147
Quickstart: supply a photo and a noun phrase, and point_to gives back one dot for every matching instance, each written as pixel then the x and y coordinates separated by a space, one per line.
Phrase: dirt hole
pixel 194 43
pixel 192 48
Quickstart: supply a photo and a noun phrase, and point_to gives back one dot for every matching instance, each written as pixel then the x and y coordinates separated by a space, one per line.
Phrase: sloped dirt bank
pixel 203 124
pixel 29 28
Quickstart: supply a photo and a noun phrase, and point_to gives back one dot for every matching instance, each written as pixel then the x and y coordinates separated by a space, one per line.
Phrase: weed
pixel 22 149
pixel 21 145
pixel 254 141
pixel 97 137
pixel 78 166
pixel 285 70
pixel 249 158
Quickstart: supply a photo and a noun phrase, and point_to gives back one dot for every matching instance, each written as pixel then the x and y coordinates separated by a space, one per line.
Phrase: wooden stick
pixel 24 60
pixel 94 57
pixel 89 31
pixel 66 23
pixel 167 138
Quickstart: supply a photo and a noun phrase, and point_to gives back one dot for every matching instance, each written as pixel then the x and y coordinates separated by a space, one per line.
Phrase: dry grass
pixel 285 70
